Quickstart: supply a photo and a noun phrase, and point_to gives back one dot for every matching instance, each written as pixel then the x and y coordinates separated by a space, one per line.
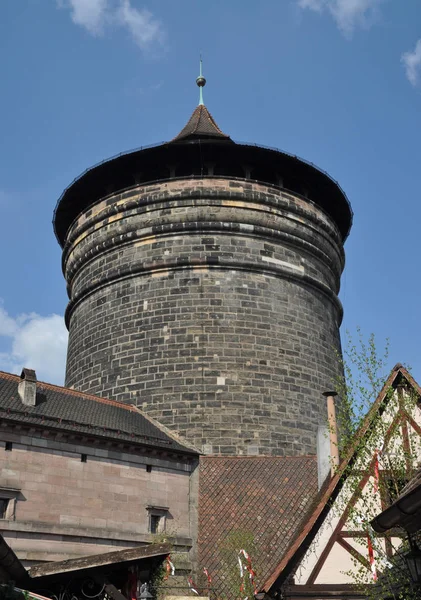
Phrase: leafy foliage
pixel 229 549
pixel 365 372
pixel 382 436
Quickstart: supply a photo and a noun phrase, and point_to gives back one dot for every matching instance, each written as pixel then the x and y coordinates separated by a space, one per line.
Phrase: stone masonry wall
pixel 67 508
pixel 211 304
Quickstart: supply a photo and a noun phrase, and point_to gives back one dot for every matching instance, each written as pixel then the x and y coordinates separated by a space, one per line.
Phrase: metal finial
pixel 200 81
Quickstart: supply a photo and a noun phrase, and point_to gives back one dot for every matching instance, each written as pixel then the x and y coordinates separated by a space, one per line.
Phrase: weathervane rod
pixel 201 82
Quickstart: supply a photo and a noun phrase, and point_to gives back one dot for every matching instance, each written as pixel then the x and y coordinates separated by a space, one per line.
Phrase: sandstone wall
pixel 211 304
pixel 65 507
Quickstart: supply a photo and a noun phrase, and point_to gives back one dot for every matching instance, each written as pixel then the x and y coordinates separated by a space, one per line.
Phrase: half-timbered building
pixel 337 549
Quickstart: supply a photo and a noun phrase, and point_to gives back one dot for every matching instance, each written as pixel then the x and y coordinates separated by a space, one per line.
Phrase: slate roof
pixel 268 496
pixel 65 409
pixel 201 125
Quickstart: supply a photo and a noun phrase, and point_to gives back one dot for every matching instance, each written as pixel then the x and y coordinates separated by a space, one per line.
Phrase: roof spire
pixel 201 82
pixel 201 124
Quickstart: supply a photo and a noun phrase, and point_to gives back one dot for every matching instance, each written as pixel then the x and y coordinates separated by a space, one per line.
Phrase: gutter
pixel 404 512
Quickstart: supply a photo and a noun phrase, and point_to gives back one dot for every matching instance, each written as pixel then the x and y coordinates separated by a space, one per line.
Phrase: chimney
pixel 27 388
pixel 323 454
pixel 333 430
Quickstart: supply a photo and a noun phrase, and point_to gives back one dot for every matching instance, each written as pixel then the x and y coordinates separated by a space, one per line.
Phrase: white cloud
pixel 144 29
pixel 89 14
pixel 316 5
pixel 412 63
pixel 348 14
pixel 35 342
pixel 96 15
pixel 8 326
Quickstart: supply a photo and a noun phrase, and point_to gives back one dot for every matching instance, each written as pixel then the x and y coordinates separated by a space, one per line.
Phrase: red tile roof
pixel 266 496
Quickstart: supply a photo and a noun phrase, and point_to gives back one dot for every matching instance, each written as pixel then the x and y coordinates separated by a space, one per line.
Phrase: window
pixel 149 468
pixel 157 516
pixel 3 507
pixel 8 498
pixel 155 519
pixel 83 458
pixel 8 446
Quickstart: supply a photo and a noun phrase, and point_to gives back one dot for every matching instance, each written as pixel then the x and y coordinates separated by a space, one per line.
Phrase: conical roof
pixel 201 125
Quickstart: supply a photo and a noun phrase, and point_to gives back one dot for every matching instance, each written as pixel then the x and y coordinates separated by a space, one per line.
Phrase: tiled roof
pixel 268 497
pixel 200 125
pixel 65 409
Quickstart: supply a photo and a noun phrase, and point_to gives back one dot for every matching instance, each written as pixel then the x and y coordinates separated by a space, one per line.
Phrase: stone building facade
pixel 81 475
pixel 203 278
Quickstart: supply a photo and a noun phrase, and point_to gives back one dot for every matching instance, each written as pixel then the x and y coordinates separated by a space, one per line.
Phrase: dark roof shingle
pixel 66 409
pixel 200 125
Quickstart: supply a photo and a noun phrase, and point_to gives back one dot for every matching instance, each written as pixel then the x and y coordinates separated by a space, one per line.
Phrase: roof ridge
pixel 72 392
pixel 168 432
pixel 212 120
pixel 195 128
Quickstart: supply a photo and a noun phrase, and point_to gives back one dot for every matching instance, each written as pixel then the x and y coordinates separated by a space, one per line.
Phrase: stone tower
pixel 203 277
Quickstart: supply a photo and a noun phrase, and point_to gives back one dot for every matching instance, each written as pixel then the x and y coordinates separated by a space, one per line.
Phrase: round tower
pixel 203 278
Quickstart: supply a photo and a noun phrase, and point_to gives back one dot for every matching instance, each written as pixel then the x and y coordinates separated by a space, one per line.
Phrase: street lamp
pixel 413 561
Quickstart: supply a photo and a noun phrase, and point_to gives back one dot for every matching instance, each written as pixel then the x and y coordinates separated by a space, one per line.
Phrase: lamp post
pixel 413 561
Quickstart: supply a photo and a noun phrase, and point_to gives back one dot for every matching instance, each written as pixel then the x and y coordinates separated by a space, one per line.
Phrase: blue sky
pixel 336 82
